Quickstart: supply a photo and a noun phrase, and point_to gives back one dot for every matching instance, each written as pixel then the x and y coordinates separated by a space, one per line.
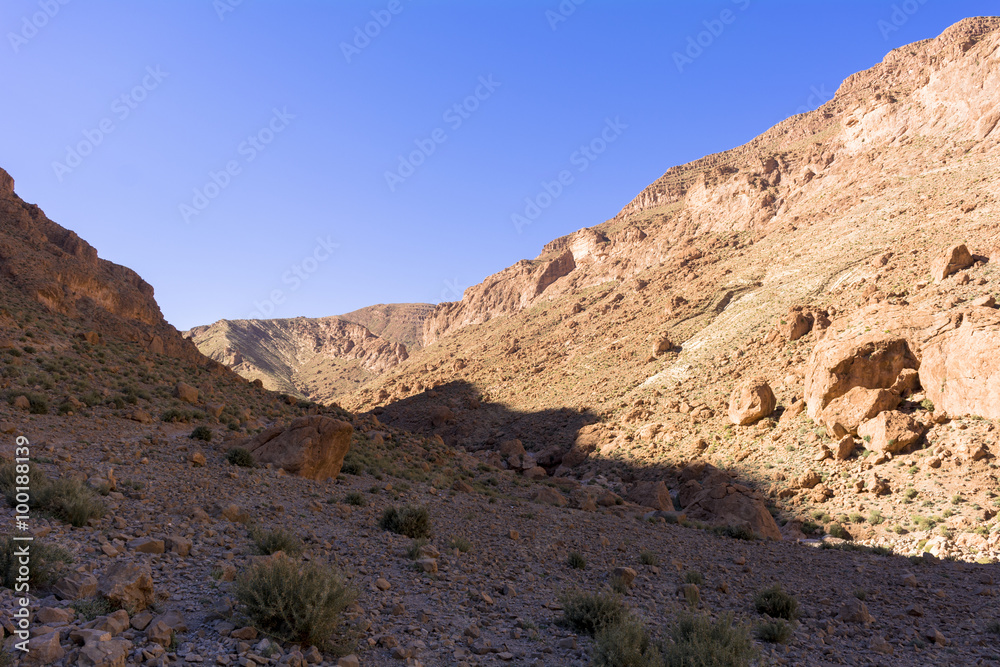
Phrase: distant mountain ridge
pixel 320 358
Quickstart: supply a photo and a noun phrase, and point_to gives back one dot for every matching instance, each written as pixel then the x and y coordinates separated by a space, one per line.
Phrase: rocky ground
pixel 492 593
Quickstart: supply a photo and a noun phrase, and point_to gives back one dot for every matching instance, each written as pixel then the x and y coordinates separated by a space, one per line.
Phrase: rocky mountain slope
pixel 394 322
pixel 741 265
pixel 700 409
pixel 49 265
pixel 321 358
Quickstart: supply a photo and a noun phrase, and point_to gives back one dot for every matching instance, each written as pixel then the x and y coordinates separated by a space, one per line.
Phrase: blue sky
pixel 271 158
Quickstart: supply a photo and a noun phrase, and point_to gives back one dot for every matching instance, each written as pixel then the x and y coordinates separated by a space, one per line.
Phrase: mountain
pixel 736 267
pixel 319 358
pixel 44 264
pixel 394 322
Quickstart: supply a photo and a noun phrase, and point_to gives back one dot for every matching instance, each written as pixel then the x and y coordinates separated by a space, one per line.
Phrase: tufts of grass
pixel 238 456
pixel 649 558
pixel 355 498
pixel 460 543
pixel 203 433
pixel 625 644
pixel 293 602
pixel 576 560
pixel 700 641
pixel 47 562
pixel 693 577
pixel 775 631
pixel 739 532
pixel 267 542
pixel 776 603
pixel 591 612
pixel 410 521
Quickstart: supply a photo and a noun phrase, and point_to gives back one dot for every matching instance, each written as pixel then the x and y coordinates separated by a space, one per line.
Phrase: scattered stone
pixel 751 401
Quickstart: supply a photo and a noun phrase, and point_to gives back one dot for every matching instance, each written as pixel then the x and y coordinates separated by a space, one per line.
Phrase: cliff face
pixel 318 358
pixel 53 266
pixel 394 322
pixel 930 99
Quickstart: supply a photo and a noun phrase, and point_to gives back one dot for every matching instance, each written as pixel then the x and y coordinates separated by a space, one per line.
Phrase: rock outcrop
pixel 312 447
pixel 53 266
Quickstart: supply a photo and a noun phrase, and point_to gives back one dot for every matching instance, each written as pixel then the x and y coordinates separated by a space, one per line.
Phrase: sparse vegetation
pixel 238 456
pixel 48 562
pixel 355 498
pixel 649 558
pixel 203 433
pixel 737 532
pixel 775 631
pixel 292 601
pixel 698 640
pixel 693 577
pixel 460 543
pixel 576 560
pixel 592 612
pixel 410 521
pixel 625 644
pixel 268 542
pixel 776 603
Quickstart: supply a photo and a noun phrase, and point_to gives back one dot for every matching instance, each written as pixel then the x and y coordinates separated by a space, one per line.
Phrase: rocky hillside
pixel 46 264
pixel 779 260
pixel 394 322
pixel 319 358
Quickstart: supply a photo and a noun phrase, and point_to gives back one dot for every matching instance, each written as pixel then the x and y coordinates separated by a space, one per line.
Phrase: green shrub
pixel 47 562
pixel 576 560
pixel 294 602
pixel 238 456
pixel 71 500
pixel 625 644
pixel 409 521
pixel 775 631
pixel 591 612
pixel 739 532
pixel 697 641
pixel 413 553
pixel 9 483
pixel 355 498
pixel 352 466
pixel 838 531
pixel 201 433
pixel 875 517
pixel 776 603
pixel 460 543
pixel 90 608
pixel 693 577
pixel 649 558
pixel 268 542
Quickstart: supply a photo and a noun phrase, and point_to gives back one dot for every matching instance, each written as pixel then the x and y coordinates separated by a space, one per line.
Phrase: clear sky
pixel 253 157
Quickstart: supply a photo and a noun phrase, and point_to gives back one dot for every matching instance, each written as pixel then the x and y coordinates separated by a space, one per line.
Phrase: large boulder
pixel 890 432
pixel 719 500
pixel 751 401
pixel 953 260
pixel 127 586
pixel 313 447
pixel 654 495
pixel 871 360
pixel 186 393
pixel 960 371
pixel 843 415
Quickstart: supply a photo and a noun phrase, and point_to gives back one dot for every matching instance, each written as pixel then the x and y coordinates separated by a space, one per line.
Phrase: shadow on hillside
pixel 456 412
